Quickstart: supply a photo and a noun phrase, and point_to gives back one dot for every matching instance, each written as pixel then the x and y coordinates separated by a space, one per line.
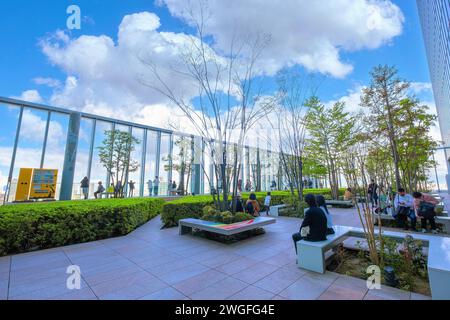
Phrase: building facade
pixel 435 21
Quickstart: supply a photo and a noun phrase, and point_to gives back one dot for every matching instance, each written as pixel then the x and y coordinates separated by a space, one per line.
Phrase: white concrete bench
pixel 445 221
pixel 186 225
pixel 274 210
pixel 347 203
pixel 311 255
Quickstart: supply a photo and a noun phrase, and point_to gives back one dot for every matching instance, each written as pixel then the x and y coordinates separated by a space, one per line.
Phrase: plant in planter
pixel 294 208
pixel 211 214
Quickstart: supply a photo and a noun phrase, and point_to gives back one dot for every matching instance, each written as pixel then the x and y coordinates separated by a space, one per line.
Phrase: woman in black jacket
pixel 315 220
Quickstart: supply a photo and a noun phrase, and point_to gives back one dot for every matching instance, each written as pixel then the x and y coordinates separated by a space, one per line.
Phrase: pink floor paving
pixel 159 264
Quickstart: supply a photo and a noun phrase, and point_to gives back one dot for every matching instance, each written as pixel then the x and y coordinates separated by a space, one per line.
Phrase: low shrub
pixel 192 206
pixel 27 227
pixel 225 217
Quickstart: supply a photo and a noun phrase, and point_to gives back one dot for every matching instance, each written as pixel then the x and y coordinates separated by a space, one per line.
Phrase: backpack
pixel 425 208
pixel 249 208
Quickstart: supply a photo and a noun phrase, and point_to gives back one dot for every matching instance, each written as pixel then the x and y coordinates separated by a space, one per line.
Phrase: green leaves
pixel 25 227
pixel 114 153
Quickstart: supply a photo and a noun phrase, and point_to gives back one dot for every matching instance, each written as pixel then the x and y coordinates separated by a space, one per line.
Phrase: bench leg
pixel 273 212
pixel 183 230
pixel 310 258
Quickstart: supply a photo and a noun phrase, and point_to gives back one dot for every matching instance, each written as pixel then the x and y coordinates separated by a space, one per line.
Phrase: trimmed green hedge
pixel 192 206
pixel 27 227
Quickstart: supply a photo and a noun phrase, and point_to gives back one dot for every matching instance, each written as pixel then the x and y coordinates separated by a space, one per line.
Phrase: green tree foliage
pixel 330 132
pixel 115 156
pixel 181 162
pixel 415 143
pixel 397 128
pixel 383 98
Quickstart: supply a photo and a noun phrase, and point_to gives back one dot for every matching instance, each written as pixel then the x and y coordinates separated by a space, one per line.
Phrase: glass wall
pixel 56 145
pixel 31 142
pixel 10 116
pixel 83 152
pixel 181 165
pixel 98 171
pixel 134 176
pixel 165 174
pixel 150 162
pixel 185 160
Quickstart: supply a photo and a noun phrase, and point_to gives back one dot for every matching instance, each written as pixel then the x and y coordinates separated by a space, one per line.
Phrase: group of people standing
pixel 404 207
pixel 153 187
pixel 115 190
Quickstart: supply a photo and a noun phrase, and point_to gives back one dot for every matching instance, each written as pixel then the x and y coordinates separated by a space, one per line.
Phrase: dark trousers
pixel 402 221
pixel 428 217
pixel 373 197
pixel 297 237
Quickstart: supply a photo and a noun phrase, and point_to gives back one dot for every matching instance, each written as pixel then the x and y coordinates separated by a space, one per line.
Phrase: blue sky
pixel 85 81
pixel 24 22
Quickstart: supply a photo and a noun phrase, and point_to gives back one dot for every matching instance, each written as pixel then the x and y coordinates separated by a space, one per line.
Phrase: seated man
pixel 100 190
pixel 424 206
pixel 403 204
pixel 314 226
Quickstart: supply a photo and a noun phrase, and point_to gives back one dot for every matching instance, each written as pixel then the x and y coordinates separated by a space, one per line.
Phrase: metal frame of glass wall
pixel 151 139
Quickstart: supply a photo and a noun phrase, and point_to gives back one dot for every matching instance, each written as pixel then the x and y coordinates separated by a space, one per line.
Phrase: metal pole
pixel 108 175
pixel 91 150
pixel 127 172
pixel 44 147
pixel 435 172
pixel 158 157
pixel 170 163
pixel 13 157
pixel 143 159
pixel 70 157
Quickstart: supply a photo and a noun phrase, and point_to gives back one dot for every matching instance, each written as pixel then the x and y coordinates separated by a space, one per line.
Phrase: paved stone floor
pixel 159 264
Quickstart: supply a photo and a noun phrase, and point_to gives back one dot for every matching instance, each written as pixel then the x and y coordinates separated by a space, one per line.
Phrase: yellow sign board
pixel 36 184
pixel 24 184
pixel 43 184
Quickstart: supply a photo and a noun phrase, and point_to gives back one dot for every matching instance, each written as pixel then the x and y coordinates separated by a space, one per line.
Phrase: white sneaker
pixel 424 230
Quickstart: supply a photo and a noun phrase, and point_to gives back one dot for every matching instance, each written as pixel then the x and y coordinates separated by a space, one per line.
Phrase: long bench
pixel 311 255
pixel 347 203
pixel 186 225
pixel 441 219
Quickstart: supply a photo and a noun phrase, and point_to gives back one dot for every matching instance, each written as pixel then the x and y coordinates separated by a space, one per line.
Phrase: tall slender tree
pixel 383 98
pixel 330 132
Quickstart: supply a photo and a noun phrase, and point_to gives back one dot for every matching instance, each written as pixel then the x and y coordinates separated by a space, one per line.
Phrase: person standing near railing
pixel 156 186
pixel 85 187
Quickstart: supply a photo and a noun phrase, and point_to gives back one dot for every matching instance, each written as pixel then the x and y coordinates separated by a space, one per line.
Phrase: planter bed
pixel 354 263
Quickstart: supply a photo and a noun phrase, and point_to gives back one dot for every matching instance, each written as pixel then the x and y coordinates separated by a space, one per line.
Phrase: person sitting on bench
pixel 424 206
pixel 314 226
pixel 322 204
pixel 100 190
pixel 403 204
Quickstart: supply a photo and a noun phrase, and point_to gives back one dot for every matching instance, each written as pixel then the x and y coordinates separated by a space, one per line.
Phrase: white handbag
pixel 304 232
